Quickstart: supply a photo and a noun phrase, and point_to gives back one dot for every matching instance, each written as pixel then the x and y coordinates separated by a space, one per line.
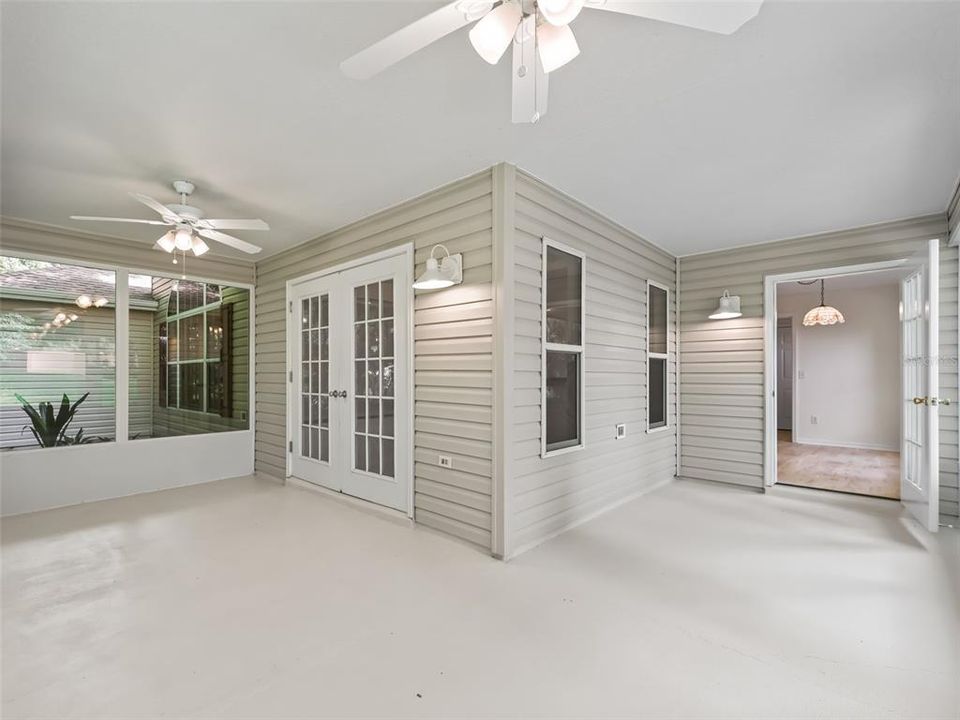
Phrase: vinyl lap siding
pixel 547 495
pixel 721 395
pixel 453 332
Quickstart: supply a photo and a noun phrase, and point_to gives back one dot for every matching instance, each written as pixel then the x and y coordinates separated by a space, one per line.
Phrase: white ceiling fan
pixel 188 224
pixel 540 33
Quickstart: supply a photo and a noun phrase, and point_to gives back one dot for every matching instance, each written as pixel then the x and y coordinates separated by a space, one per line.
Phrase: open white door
pixel 920 447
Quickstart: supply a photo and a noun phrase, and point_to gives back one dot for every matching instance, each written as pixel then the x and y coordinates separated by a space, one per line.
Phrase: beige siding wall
pixel 721 394
pixel 547 495
pixel 452 345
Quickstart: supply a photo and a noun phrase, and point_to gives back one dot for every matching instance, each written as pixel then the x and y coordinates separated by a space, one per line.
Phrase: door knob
pixel 919 401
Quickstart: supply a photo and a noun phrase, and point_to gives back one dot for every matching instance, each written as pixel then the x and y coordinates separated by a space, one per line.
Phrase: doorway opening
pixel 838 383
pixel 918 382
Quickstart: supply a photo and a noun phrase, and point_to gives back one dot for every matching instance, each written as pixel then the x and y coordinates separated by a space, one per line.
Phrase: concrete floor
pixel 245 598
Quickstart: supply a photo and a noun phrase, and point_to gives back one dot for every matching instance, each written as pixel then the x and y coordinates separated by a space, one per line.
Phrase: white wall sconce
pixel 728 308
pixel 441 274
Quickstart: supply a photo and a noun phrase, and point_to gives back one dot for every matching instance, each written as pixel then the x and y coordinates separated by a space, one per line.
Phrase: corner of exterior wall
pixel 504 205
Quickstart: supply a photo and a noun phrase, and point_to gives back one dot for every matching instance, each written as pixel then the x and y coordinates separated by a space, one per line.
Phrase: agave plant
pixel 51 430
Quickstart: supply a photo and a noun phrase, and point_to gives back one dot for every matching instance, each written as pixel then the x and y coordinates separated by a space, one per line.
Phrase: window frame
pixel 658 356
pixel 546 347
pixel 204 361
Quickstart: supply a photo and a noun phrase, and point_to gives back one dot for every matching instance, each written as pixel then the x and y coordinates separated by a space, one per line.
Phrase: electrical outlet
pixel 445 461
pixel 621 431
pixel 814 420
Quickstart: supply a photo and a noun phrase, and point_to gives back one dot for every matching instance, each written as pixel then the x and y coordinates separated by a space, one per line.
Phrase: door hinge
pixel 290 446
pixel 291 307
pixel 291 376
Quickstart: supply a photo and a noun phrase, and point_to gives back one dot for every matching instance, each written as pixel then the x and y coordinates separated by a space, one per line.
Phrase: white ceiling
pixel 814 117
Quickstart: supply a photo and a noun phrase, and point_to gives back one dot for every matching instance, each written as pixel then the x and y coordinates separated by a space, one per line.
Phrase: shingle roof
pixel 69 280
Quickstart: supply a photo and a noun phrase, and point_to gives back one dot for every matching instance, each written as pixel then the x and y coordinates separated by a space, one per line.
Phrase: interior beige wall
pixel 847 376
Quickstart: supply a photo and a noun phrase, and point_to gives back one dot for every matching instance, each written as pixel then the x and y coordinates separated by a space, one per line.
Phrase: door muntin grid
pixel 374 364
pixel 913 350
pixel 315 378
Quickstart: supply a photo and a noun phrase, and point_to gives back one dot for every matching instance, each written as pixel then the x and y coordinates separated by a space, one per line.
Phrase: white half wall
pixel 54 477
pixel 847 376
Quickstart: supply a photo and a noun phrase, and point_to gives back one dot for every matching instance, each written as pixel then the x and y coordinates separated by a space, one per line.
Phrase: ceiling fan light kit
pixel 493 34
pixel 188 225
pixel 541 34
pixel 557 46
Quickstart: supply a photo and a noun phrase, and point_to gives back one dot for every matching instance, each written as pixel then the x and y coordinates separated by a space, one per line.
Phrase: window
pixel 193 377
pixel 57 340
pixel 189 359
pixel 562 335
pixel 657 309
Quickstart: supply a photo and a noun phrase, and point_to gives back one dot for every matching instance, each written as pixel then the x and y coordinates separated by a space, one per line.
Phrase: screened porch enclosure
pixel 188 353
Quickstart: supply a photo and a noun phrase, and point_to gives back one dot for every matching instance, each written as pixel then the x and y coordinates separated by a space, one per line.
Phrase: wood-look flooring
pixel 851 470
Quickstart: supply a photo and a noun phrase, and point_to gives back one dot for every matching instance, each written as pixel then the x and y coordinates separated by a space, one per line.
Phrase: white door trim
pixel 403 294
pixel 770 347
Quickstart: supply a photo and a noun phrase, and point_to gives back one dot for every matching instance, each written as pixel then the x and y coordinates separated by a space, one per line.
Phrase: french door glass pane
pixel 315 378
pixel 373 342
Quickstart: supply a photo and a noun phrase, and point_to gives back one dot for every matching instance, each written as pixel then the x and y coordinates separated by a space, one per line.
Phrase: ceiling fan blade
pixel 164 211
pixel 405 42
pixel 720 16
pixel 229 240
pixel 529 79
pixel 222 224
pixel 114 219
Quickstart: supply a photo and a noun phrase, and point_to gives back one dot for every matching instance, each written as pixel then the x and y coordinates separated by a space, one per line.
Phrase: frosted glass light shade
pixel 823 315
pixel 557 46
pixel 492 35
pixel 183 240
pixel 167 242
pixel 199 247
pixel 560 12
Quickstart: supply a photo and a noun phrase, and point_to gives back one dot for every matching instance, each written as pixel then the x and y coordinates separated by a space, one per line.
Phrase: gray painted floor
pixel 244 598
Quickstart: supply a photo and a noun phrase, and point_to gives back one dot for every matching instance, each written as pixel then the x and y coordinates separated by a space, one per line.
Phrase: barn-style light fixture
pixel 822 314
pixel 728 308
pixel 441 274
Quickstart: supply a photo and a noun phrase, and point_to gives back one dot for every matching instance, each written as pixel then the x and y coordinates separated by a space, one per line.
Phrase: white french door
pixel 350 382
pixel 920 446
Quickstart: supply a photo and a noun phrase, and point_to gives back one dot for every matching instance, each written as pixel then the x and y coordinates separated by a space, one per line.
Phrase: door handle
pixel 920 401
pixel 338 393
pixel 939 401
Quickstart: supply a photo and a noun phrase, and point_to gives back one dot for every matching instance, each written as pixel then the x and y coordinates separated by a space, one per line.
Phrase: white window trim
pixel 658 356
pixel 204 361
pixel 578 349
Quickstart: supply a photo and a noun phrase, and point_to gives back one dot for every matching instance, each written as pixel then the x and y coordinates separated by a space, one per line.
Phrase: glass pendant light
pixel 823 314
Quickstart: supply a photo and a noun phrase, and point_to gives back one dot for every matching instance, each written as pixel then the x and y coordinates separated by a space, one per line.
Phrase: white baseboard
pixel 856 446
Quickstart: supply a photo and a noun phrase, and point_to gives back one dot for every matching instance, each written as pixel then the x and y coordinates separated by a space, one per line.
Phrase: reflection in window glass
pixel 563 348
pixel 189 363
pixel 57 339
pixel 657 309
pixel 563 288
pixel 563 399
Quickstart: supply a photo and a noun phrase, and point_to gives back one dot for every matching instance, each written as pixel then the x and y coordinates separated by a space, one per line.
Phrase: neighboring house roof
pixel 56 283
